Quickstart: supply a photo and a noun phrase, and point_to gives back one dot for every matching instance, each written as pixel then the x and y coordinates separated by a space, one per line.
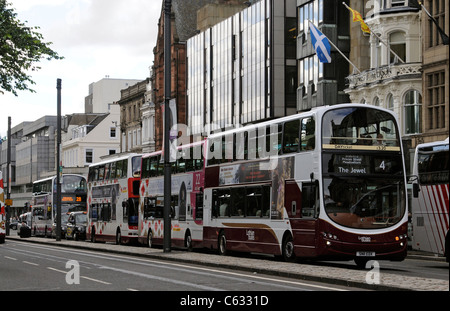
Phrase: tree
pixel 21 49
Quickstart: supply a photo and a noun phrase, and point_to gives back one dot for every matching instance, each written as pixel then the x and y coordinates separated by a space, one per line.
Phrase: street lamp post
pixel 167 94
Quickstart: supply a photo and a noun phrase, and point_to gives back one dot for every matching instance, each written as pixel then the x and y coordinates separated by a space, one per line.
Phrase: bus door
pixel 302 205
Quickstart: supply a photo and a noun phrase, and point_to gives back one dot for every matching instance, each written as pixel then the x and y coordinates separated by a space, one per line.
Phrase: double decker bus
pixel 113 199
pixel 187 183
pixel 2 212
pixel 43 201
pixel 430 207
pixel 328 184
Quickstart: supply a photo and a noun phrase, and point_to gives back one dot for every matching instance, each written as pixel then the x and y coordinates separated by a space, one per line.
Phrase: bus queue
pixel 329 183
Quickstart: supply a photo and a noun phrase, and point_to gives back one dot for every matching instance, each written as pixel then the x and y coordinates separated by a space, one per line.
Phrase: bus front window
pixel 360 128
pixel 364 203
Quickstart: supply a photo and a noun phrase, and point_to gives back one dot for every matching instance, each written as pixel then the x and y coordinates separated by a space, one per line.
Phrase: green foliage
pixel 21 49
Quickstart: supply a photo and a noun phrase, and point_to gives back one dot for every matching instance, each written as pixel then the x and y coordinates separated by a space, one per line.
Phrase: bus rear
pixel 430 205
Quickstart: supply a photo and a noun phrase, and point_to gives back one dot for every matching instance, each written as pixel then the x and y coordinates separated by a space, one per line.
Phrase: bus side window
pixel 291 139
pixel 308 137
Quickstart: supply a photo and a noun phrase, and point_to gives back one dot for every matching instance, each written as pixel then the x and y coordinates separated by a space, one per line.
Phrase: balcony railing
pixel 385 73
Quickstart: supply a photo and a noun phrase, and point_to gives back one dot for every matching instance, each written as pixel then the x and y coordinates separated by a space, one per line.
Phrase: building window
pixel 376 102
pixel 436 100
pixel 390 102
pixel 89 156
pixel 112 132
pixel 437 10
pixel 413 112
pixel 397 43
pixel 397 3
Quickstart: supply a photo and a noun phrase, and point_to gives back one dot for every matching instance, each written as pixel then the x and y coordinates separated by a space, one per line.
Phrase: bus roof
pixel 117 158
pixel 432 144
pixel 53 177
pixel 313 111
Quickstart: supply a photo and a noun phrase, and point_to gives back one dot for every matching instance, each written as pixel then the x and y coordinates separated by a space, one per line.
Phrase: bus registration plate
pixel 365 254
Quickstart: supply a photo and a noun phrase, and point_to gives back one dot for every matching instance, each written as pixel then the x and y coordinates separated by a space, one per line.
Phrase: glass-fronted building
pixel 243 70
pixel 322 84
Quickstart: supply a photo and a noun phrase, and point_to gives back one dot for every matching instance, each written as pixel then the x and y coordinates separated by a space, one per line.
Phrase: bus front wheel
pixel 188 241
pixel 288 248
pixel 222 244
pixel 118 237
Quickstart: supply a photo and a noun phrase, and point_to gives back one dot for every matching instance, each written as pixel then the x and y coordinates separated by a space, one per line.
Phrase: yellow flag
pixel 358 18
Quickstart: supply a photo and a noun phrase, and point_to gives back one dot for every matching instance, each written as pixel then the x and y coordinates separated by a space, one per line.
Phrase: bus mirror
pixel 416 190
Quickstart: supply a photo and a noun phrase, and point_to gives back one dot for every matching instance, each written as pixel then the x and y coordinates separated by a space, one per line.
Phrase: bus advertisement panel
pixel 187 185
pixel 328 183
pixel 430 205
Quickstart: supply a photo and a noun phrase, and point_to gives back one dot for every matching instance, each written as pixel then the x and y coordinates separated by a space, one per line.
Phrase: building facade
pixel 322 84
pixel 105 92
pixel 131 102
pixel 240 71
pixel 435 72
pixel 88 138
pixel 187 19
pixel 394 79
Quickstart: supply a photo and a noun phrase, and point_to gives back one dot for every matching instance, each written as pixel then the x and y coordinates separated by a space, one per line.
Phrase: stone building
pixel 131 101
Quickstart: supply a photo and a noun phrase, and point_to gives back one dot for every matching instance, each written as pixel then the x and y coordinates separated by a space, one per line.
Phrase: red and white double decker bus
pixel 329 183
pixel 2 212
pixel 430 207
pixel 187 183
pixel 113 199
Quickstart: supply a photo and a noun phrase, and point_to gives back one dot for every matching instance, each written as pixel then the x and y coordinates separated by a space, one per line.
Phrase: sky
pixel 97 38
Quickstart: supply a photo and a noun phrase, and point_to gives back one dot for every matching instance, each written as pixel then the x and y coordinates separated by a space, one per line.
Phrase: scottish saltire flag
pixel 320 43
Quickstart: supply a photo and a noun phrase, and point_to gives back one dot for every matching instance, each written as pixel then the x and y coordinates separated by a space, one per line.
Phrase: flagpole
pixel 337 49
pixel 378 37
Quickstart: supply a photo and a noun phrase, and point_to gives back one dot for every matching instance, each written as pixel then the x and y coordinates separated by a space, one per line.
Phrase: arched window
pixel 390 102
pixel 397 43
pixel 412 104
pixel 376 101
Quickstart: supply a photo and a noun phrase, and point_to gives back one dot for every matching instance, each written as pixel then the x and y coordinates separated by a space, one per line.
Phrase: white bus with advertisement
pixel 187 183
pixel 113 199
pixel 430 205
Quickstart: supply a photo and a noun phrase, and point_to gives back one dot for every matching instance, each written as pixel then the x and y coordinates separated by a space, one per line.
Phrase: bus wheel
pixel 118 237
pixel 150 239
pixel 222 244
pixel 288 248
pixel 188 241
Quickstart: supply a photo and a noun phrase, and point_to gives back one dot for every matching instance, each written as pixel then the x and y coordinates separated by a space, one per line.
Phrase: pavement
pixel 303 271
